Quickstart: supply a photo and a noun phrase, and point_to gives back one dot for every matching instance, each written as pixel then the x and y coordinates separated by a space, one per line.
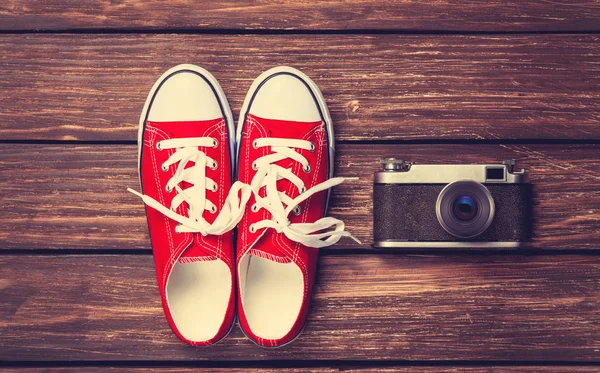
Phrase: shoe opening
pixel 271 294
pixel 198 295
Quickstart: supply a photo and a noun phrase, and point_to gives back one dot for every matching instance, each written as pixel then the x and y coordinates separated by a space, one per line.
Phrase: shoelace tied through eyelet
pixel 189 150
pixel 279 204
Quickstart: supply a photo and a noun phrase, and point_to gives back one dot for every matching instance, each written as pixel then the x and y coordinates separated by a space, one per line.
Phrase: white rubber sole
pixel 220 94
pixel 320 101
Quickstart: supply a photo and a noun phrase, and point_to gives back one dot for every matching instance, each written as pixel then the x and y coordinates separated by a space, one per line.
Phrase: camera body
pixel 445 206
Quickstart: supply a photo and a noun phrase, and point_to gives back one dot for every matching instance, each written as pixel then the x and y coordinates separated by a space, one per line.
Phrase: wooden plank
pixel 371 307
pixel 378 369
pixel 495 15
pixel 74 197
pixel 389 87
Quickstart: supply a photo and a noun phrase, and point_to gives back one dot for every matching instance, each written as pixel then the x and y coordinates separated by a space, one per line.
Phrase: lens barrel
pixel 465 208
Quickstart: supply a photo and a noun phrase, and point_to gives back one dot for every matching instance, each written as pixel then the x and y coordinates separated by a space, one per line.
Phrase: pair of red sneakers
pixel 282 156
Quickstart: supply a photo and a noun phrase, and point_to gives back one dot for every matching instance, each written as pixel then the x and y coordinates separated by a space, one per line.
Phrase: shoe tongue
pixel 266 248
pixel 184 129
pixel 195 254
pixel 286 129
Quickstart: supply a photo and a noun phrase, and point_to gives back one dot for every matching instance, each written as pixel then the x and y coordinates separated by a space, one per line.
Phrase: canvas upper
pixel 285 154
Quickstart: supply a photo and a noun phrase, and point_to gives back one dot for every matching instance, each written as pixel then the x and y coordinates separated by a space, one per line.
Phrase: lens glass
pixel 464 208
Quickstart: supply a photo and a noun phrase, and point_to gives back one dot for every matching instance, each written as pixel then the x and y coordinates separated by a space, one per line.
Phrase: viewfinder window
pixel 494 173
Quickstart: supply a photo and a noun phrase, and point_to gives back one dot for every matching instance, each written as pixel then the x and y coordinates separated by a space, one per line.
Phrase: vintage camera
pixel 444 206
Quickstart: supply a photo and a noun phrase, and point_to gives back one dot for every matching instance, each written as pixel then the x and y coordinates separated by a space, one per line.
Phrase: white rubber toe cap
pixel 184 96
pixel 285 97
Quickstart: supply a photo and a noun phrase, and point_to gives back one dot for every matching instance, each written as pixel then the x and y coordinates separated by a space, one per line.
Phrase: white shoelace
pixel 267 176
pixel 187 150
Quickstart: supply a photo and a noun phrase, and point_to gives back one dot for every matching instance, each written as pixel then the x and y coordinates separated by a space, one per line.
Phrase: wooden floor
pixel 426 81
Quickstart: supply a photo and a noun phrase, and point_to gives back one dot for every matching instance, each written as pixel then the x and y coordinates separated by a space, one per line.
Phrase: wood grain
pixel 404 15
pixel 74 197
pixel 386 87
pixel 378 369
pixel 366 307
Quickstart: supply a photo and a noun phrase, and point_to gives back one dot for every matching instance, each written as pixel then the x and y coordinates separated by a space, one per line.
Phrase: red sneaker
pixel 285 153
pixel 185 150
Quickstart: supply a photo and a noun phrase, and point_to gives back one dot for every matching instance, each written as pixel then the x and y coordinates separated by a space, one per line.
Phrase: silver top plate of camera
pixel 397 171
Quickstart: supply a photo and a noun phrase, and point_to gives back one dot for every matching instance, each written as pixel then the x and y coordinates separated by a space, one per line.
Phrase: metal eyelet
pixel 214 166
pixel 297 210
pixel 254 208
pixel 302 190
pixel 173 209
pixel 254 166
pixel 215 143
pixel 312 148
pixel 215 188
pixel 252 229
pixel 158 145
pixel 164 168
pixel 177 226
pixel 255 144
pixel 307 169
pixel 213 209
pixel 169 190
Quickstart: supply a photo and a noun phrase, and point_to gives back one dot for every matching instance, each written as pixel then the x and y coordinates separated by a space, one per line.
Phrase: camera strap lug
pixel 511 165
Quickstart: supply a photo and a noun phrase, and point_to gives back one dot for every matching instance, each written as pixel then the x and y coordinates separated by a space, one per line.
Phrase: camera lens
pixel 465 208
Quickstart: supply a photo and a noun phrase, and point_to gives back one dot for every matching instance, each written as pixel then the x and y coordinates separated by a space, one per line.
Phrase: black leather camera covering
pixel 406 212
